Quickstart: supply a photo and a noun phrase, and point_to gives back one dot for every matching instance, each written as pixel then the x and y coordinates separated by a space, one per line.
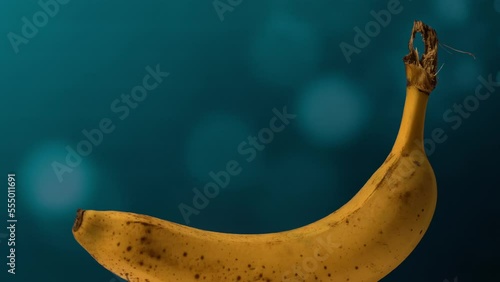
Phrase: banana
pixel 362 241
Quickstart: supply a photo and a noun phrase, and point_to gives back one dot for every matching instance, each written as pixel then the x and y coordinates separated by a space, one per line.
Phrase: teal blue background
pixel 225 79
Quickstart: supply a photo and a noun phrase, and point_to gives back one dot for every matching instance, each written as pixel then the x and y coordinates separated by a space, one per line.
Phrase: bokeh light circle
pixel 48 195
pixel 496 6
pixel 49 201
pixel 333 110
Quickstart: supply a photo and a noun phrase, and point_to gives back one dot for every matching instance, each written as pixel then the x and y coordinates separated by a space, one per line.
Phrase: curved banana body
pixel 362 241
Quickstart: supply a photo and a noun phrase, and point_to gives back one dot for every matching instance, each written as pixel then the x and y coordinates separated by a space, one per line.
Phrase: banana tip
pixel 78 219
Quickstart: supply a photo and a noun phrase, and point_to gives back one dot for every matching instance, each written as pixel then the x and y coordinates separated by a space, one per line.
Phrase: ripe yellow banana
pixel 363 240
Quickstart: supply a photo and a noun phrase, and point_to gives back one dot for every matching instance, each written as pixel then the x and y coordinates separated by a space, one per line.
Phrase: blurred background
pixel 70 68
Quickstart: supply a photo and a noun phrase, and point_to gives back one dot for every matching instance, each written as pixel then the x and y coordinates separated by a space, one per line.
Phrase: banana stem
pixel 420 81
pixel 411 130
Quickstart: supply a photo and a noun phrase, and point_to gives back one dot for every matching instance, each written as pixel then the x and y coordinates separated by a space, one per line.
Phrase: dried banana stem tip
pixel 78 220
pixel 428 64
